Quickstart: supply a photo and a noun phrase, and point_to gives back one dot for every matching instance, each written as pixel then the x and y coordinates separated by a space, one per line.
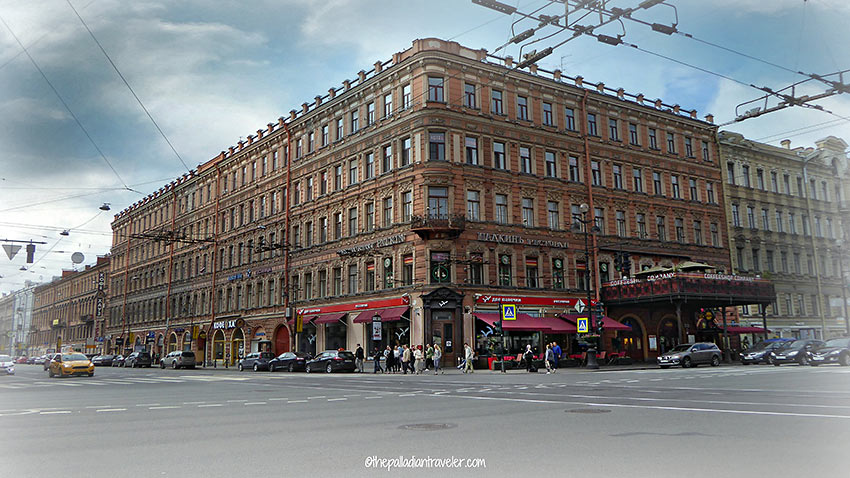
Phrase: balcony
pixel 438 226
pixel 703 289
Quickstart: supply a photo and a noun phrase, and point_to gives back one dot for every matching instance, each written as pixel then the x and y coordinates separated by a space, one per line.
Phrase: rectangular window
pixel 730 173
pixel 575 175
pixel 309 189
pixel 496 102
pixel 405 97
pixel 438 202
pixel 599 219
pixel 637 176
pixel 591 125
pixel 405 152
pixel 779 227
pixel 706 156
pixel 499 155
pixel 407 269
pixel 308 234
pixel 769 259
pixel 551 165
pixel 698 232
pixel 323 230
pixel 745 175
pixel 553 214
pixel 369 166
pixel 824 191
pixel 570 118
pixel 756 260
pixel 352 279
pixel 370 113
pixel 340 132
pixel 501 208
pixel 641 225
pixel 522 108
pixel 792 223
pixel 406 206
pixel 471 145
pixel 653 138
pixel 689 147
pixel 527 212
pixel 633 134
pixel 558 273
pixel 473 205
pixel 657 186
pixel 797 264
pixel 370 216
pixel 469 99
pixel 751 219
pixel 353 121
pixel 476 268
pixel 692 185
pixel 323 283
pixel 671 143
pixel 311 143
pixel 674 182
pixel 661 227
pixel 352 221
pixel 800 191
pixel 387 159
pixel 765 221
pixel 525 159
pixel 337 281
pixel 596 173
pixel 783 261
pixel 813 191
pixel 337 177
pixel 505 276
pixel 805 219
pixel 388 212
pixel 531 273
pixel 352 172
pixel 435 88
pixel 440 267
pixel 621 223
pixel 613 131
pixel 709 189
pixel 388 104
pixel 325 135
pixel 548 119
pixel 786 181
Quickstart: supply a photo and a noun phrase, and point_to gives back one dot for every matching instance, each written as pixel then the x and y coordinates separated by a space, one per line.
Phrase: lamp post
pixel 580 224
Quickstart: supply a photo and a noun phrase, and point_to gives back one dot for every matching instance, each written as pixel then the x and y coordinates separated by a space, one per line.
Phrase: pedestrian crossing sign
pixel 582 325
pixel 508 311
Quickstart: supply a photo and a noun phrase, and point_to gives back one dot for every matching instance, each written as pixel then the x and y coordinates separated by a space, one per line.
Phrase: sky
pixel 210 73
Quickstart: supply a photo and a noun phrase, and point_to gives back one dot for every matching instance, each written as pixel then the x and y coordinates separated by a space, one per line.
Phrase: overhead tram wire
pixel 71 112
pixel 830 123
pixel 115 67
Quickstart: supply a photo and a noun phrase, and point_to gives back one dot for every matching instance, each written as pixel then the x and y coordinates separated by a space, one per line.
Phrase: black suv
pixel 138 359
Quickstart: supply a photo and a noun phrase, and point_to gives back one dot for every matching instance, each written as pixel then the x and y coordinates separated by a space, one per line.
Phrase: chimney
pixel 509 61
pixel 231 149
pixel 241 144
pixel 270 127
pixel 361 75
pixel 378 66
pixel 639 98
pixel 347 84
pixel 676 109
pixel 709 118
pixel 786 143
pixel 280 121
pixel 694 114
pixel 305 107
pixel 556 75
pixel 251 138
pixel 293 114
pixel 331 93
pixel 659 103
pixel 621 93
pixel 533 68
pixel 259 134
pixel 318 100
pixel 579 80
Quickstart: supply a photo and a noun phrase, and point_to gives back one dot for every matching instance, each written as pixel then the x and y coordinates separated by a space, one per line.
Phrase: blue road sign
pixel 582 325
pixel 508 311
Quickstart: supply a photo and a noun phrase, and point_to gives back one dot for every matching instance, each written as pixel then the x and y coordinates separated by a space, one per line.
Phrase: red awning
pixel 329 318
pixel 559 326
pixel 607 322
pixel 387 315
pixel 737 329
pixel 525 322
pixel 306 320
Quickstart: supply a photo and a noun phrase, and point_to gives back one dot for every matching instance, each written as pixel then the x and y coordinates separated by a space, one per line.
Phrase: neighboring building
pixel 7 323
pixel 787 215
pixel 68 311
pixel 15 320
pixel 425 191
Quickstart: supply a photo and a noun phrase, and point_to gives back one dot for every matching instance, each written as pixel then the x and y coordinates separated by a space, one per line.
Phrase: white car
pixel 7 365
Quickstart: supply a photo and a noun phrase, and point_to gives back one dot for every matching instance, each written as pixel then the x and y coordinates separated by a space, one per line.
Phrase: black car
pixel 835 350
pixel 118 360
pixel 290 361
pixel 256 361
pixel 760 352
pixel 330 361
pixel 103 360
pixel 794 352
pixel 138 359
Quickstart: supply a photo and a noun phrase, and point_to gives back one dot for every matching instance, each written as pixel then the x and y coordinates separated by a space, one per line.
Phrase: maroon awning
pixel 387 315
pixel 306 320
pixel 738 329
pixel 525 322
pixel 607 322
pixel 329 318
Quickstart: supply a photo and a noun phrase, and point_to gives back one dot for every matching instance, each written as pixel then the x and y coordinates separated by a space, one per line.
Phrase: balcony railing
pixel 434 225
pixel 730 289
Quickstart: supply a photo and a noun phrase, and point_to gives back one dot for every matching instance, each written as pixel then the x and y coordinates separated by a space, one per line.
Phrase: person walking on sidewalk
pixel 419 360
pixel 399 354
pixel 406 356
pixel 556 351
pixel 389 355
pixel 438 354
pixel 358 358
pixel 377 357
pixel 549 359
pixel 468 355
pixel 429 357
pixel 529 358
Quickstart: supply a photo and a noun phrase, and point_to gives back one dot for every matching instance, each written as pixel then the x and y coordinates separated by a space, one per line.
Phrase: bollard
pixel 591 359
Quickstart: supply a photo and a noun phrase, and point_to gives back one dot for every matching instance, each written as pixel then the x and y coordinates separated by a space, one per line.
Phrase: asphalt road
pixel 727 421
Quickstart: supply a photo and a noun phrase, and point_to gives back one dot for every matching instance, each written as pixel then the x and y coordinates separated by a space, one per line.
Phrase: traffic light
pixel 599 314
pixel 497 328
pixel 618 262
pixel 30 253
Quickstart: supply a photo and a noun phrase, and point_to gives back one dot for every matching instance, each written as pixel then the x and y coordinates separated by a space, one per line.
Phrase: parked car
pixel 7 365
pixel 21 360
pixel 256 361
pixel 138 359
pixel 690 355
pixel 103 360
pixel 794 352
pixel 330 361
pixel 73 363
pixel 760 352
pixel 835 350
pixel 118 360
pixel 47 359
pixel 32 360
pixel 178 359
pixel 290 361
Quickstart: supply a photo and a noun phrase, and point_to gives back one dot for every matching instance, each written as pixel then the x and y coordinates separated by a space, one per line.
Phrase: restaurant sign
pixel 355 306
pixel 383 242
pixel 524 300
pixel 517 239
pixel 229 324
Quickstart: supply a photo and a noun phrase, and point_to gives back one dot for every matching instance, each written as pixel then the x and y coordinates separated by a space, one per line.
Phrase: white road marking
pixel 318 396
pixel 210 405
pixel 370 398
pixel 99 406
pixel 166 407
pixel 55 412
pixel 236 401
pixel 278 398
pixel 147 404
pixel 193 403
pixel 111 410
pixel 336 399
pixel 254 403
pixel 297 401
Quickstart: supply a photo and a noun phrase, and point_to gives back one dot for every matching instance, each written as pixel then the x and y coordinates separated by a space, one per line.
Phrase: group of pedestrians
pixel 404 359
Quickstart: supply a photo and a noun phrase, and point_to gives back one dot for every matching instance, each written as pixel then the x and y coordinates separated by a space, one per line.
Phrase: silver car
pixel 690 355
pixel 7 365
pixel 178 359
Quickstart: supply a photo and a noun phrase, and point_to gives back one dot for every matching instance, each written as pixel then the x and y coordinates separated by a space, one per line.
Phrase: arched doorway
pixel 218 345
pixel 281 340
pixel 237 346
pixel 631 341
pixel 668 335
pixel 172 342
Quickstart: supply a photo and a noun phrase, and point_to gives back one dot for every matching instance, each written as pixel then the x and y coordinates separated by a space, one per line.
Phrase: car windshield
pixel 786 345
pixel 346 355
pixel 74 357
pixel 680 348
pixel 5 358
pixel 188 354
pixel 838 342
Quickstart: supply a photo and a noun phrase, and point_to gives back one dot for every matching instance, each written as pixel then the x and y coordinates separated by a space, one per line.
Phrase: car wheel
pixel 329 368
pixel 844 359
pixel 813 364
pixel 256 367
pixel 50 373
pixel 307 368
pixel 91 374
pixel 162 365
pixel 803 360
pixel 240 367
pixel 686 362
pixel 768 360
pixel 174 365
pixel 291 367
pixel 775 363
pixel 715 360
pixel 665 366
pixel 271 367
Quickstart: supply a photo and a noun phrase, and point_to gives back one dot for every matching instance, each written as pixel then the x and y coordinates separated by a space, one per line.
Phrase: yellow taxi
pixel 70 363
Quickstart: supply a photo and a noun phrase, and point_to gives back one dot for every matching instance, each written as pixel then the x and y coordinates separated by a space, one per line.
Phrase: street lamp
pixel 580 224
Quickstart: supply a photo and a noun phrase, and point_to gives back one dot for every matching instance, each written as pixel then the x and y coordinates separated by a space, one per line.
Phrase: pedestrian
pixel 438 354
pixel 468 355
pixel 529 358
pixel 358 358
pixel 556 351
pixel 429 357
pixel 377 357
pixel 388 356
pixel 406 356
pixel 419 360
pixel 746 343
pixel 549 359
pixel 399 352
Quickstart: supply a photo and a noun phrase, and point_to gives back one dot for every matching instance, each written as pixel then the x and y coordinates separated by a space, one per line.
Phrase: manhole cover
pixel 428 426
pixel 589 410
